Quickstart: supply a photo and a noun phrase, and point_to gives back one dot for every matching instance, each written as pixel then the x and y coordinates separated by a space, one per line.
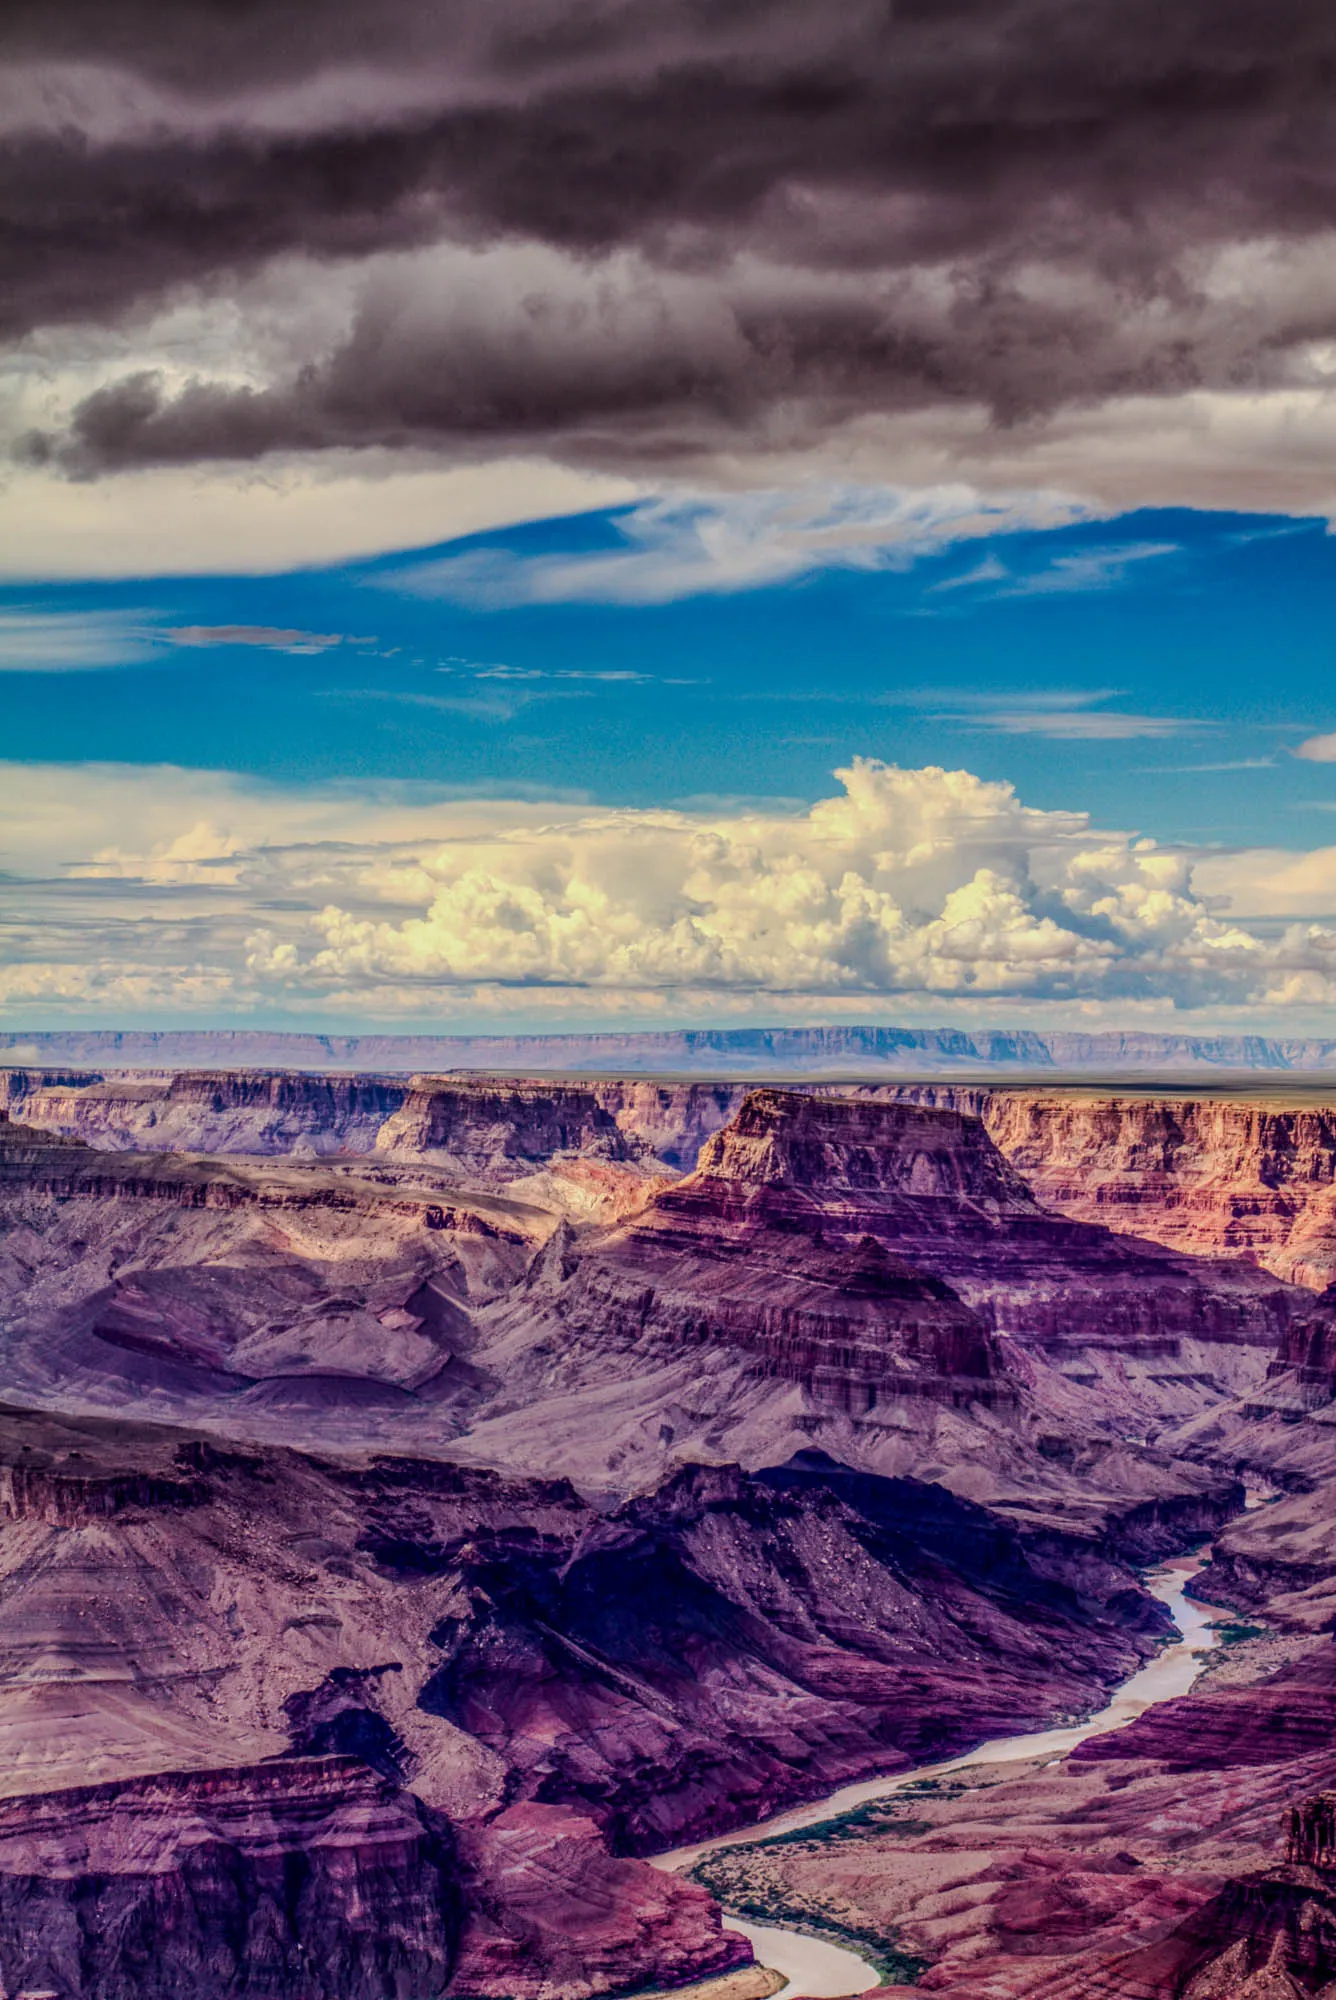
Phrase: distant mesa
pixel 710 1051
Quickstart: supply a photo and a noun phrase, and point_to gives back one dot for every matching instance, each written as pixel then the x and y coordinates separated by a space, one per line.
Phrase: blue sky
pixel 1158 670
pixel 825 753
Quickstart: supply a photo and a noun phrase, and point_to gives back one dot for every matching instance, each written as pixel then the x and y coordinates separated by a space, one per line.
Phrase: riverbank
pixel 816 1968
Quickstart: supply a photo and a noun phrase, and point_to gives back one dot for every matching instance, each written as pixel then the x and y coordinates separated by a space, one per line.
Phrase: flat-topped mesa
pixel 876 1160
pixel 769 1249
pixel 931 1186
pixel 23 1147
pixel 495 1128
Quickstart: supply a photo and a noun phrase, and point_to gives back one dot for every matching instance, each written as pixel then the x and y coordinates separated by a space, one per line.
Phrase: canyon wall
pixel 1231 1174
pixel 1216 1175
pixel 516 1503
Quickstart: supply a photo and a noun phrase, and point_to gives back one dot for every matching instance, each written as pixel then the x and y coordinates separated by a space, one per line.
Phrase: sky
pixel 551 514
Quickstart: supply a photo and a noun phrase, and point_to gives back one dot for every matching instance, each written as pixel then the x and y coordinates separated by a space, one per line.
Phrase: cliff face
pixel 313 1876
pixel 874 1278
pixel 224 1111
pixel 671 1120
pixel 497 1128
pixel 775 1246
pixel 304 1878
pixel 804 1595
pixel 601 1140
pixel 1209 1175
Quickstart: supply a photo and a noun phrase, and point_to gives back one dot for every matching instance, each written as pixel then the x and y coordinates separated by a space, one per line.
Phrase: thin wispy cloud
pixel 1071 715
pixel 991 570
pixel 1065 574
pixel 53 642
pixel 1085 725
pixel 685 547
pixel 1228 764
pixel 1088 569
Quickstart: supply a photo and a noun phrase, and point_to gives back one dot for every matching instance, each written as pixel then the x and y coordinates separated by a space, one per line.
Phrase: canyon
pixel 1246 1170
pixel 423 1498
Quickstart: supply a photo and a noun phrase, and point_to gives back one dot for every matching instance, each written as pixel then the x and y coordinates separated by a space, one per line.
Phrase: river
pixel 817 1970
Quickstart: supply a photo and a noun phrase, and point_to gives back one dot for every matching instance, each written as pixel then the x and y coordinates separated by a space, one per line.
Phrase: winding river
pixel 817 1970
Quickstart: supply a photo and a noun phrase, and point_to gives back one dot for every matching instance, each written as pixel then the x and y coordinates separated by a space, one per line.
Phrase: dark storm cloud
pixel 730 209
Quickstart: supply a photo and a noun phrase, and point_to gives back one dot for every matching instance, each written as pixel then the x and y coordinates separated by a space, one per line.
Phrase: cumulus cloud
pixel 903 891
pixel 1318 749
pixel 1095 239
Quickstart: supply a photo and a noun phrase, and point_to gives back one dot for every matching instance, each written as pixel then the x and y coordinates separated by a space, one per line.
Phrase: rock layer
pixel 930 1192
pixel 1239 1174
pixel 305 1878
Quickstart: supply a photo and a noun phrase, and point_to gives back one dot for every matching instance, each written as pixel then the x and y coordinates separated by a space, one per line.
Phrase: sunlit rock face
pixel 1242 1175
pixel 202 1111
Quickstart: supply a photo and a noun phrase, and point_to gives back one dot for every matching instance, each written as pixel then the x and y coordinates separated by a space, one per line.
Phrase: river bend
pixel 817 1970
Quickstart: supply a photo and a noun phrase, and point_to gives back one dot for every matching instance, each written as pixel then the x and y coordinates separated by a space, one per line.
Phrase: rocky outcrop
pixel 1279 1561
pixel 1303 1375
pixel 551 1912
pixel 1269 1935
pixel 313 1876
pixel 773 1246
pixel 494 1128
pixel 18 1086
pixel 598 1674
pixel 873 1277
pixel 1289 1716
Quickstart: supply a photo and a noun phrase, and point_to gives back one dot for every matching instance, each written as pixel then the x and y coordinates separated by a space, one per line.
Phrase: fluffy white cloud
pixel 135 893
